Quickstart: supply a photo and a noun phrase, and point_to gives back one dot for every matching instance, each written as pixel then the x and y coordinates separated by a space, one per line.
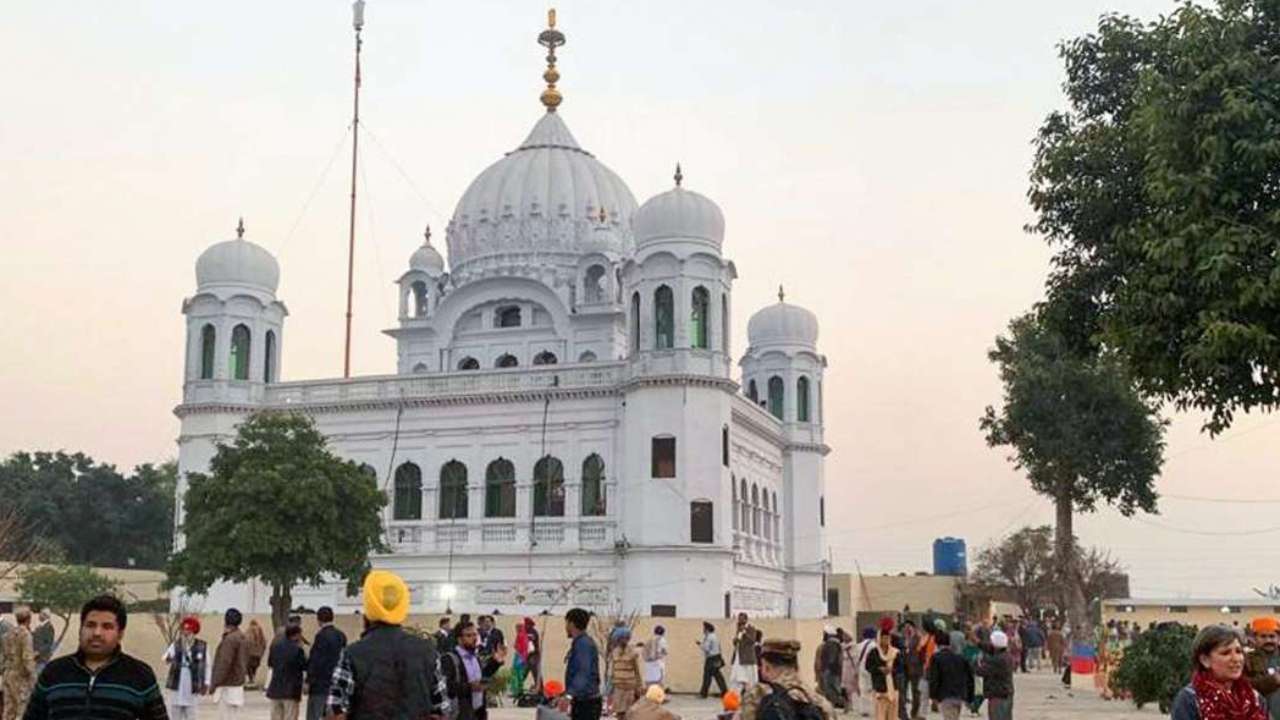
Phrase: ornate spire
pixel 679 175
pixel 782 296
pixel 240 229
pixel 426 237
pixel 551 38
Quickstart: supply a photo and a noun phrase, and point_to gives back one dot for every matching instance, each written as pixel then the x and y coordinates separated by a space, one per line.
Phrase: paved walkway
pixel 1039 697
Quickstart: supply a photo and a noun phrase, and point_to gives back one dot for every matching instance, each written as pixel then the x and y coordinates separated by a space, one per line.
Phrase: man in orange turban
pixel 1262 665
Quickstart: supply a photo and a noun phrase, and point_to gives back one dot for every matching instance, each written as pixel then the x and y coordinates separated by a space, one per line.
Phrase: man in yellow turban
pixel 388 673
pixel 1262 665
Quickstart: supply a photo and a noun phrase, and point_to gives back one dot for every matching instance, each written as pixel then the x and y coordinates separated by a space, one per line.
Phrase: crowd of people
pixel 899 669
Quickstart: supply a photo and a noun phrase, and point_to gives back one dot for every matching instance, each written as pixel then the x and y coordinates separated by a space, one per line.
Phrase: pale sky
pixel 872 157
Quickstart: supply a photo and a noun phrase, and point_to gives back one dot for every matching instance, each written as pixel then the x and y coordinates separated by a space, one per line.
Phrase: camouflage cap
pixel 785 649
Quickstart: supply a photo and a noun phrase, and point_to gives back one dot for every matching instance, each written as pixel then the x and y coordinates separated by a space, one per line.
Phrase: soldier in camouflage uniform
pixel 779 666
pixel 19 666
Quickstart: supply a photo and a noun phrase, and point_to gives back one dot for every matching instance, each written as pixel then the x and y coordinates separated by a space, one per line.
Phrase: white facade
pixel 571 325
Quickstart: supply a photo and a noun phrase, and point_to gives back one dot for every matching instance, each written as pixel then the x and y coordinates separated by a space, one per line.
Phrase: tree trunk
pixel 281 603
pixel 1068 570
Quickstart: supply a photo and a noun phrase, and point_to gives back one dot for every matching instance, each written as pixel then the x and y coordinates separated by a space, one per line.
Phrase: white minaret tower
pixel 676 505
pixel 235 331
pixel 782 371
pixel 421 289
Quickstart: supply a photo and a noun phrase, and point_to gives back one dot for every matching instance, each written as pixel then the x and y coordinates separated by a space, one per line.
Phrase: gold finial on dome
pixel 679 175
pixel 240 229
pixel 782 296
pixel 551 38
pixel 426 236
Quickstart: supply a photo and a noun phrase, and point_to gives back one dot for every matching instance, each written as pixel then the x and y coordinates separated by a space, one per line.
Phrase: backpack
pixel 779 705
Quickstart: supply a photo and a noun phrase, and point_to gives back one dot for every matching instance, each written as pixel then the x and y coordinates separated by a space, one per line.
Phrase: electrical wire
pixel 324 174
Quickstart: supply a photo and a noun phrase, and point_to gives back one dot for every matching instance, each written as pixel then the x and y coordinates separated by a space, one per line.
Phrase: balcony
pixel 481 535
pixel 445 386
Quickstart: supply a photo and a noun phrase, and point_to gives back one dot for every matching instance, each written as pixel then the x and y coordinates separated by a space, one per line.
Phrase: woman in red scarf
pixel 1218 689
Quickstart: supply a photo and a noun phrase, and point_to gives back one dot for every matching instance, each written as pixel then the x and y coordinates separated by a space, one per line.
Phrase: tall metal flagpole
pixel 357 21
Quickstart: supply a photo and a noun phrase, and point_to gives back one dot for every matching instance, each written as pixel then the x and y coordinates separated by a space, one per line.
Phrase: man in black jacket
pixel 950 679
pixel 98 682
pixel 468 672
pixel 388 673
pixel 288 663
pixel 325 651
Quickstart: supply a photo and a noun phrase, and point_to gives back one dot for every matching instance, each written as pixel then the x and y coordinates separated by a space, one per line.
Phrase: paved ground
pixel 1039 696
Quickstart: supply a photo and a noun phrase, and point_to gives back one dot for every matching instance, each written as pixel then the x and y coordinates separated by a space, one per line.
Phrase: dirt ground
pixel 1038 696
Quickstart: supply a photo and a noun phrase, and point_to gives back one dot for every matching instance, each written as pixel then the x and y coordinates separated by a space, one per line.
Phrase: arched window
pixel 752 392
pixel 269 357
pixel 507 361
pixel 507 316
pixel 777 391
pixel 755 510
pixel 635 322
pixel 699 334
pixel 407 503
pixel 724 323
pixel 418 293
pixel 453 491
pixel 701 522
pixel 664 311
pixel 663 460
pixel 766 516
pixel 468 363
pixel 594 284
pixel 208 351
pixel 500 489
pixel 548 488
pixel 733 488
pixel 593 501
pixel 419 368
pixel 777 520
pixel 369 473
pixel 724 446
pixel 240 353
pixel 546 357
pixel 802 399
pixel 587 357
pixel 745 506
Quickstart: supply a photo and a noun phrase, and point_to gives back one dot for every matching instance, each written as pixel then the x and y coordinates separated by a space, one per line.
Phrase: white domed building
pixel 565 416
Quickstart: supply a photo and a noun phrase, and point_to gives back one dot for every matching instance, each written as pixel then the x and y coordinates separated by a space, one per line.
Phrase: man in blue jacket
pixel 581 697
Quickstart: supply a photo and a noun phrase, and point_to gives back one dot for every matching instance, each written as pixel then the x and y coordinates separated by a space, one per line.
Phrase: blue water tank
pixel 950 557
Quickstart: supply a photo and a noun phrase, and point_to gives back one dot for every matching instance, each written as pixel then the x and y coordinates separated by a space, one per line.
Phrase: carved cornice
pixel 680 380
pixel 215 408
pixel 821 448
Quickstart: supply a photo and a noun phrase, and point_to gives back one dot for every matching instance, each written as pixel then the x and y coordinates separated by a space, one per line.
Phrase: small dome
pixel 238 262
pixel 783 324
pixel 426 258
pixel 682 214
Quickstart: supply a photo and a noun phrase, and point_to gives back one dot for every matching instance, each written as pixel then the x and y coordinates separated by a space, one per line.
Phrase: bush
pixel 1155 666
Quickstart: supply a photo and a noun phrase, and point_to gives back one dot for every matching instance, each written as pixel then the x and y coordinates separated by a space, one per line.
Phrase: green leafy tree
pixel 1022 562
pixel 1155 666
pixel 89 512
pixel 277 505
pixel 1082 434
pixel 63 589
pixel 1159 190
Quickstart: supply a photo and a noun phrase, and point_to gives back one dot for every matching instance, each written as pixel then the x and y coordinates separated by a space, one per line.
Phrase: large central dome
pixel 539 205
